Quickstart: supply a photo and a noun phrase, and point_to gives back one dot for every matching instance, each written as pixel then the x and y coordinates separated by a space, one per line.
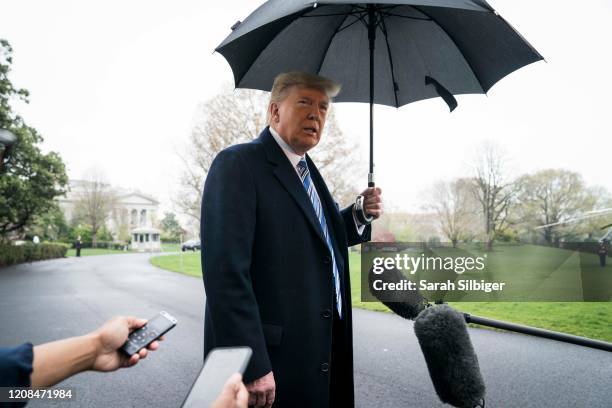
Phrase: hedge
pixel 29 252
pixel 100 244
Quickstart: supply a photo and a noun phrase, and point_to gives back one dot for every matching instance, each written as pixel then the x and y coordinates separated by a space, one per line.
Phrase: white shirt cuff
pixel 359 226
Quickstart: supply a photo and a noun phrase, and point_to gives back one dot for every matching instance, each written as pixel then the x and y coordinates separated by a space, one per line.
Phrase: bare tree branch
pixel 455 209
pixel 492 189
pixel 95 202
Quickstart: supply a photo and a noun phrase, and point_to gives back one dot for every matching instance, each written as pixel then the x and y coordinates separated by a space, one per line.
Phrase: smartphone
pixel 219 365
pixel 153 330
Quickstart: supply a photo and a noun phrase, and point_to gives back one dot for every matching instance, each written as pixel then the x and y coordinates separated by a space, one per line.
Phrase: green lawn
pixel 104 251
pixel 589 319
pixel 184 262
pixel 96 251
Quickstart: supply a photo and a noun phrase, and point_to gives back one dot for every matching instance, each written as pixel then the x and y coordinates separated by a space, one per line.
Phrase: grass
pixel 96 251
pixel 588 319
pixel 187 263
pixel 104 251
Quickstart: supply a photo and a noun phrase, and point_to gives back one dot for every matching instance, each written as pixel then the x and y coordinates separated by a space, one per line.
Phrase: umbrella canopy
pixel 390 52
pixel 463 46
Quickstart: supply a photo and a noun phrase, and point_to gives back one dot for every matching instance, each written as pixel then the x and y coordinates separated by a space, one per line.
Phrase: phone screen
pixel 220 364
pixel 160 324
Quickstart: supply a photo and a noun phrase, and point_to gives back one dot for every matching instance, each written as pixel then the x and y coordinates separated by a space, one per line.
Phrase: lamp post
pixel 7 140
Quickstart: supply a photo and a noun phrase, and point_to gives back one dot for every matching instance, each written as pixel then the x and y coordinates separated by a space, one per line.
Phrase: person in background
pixel 77 245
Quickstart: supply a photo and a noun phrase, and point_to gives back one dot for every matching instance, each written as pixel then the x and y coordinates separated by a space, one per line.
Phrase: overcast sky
pixel 116 84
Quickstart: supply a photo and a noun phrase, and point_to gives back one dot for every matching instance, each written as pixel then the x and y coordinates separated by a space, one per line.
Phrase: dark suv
pixel 191 245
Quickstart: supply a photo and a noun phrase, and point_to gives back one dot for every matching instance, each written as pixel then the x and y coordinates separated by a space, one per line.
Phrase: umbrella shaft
pixel 372 40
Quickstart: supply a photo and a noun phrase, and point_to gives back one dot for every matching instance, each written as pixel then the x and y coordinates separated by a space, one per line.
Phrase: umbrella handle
pixel 360 214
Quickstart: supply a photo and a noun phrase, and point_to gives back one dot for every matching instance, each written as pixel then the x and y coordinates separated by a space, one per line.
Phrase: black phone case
pixel 144 336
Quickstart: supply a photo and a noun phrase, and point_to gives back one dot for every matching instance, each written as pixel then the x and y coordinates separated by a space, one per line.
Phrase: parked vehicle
pixel 191 245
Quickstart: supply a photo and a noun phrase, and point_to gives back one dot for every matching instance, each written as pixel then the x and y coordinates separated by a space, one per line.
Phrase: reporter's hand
pixel 262 391
pixel 233 395
pixel 373 205
pixel 110 337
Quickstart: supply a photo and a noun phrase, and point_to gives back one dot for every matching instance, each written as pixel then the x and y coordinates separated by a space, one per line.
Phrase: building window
pixel 146 237
pixel 134 218
pixel 141 238
pixel 143 217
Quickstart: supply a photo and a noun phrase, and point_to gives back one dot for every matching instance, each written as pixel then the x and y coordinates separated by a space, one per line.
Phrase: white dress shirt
pixel 294 159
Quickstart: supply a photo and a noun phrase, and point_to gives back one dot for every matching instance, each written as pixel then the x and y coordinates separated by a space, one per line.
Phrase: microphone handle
pixel 533 331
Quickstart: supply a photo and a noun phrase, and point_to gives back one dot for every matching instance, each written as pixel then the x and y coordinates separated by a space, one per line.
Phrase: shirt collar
pixel 291 155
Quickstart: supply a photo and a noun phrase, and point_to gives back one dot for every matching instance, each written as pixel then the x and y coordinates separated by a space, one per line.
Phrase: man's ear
pixel 274 112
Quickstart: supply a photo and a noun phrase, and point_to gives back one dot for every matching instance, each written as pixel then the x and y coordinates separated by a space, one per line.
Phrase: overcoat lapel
pixel 290 181
pixel 328 201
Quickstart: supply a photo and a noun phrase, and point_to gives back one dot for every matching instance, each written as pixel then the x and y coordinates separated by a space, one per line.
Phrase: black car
pixel 191 245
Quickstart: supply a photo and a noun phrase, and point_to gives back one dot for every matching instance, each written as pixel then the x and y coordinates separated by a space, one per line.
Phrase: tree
pixel 399 224
pixel 554 196
pixel 94 204
pixel 228 118
pixel 120 218
pixel 493 191
pixel 238 116
pixel 49 226
pixel 171 229
pixel 455 209
pixel 30 180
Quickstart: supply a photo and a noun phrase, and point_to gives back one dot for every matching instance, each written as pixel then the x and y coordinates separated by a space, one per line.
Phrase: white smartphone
pixel 219 365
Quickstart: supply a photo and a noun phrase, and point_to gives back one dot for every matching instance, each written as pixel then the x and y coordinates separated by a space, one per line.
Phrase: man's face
pixel 300 117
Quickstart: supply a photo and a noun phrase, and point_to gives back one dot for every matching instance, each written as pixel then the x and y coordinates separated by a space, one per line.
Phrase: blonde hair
pixel 286 80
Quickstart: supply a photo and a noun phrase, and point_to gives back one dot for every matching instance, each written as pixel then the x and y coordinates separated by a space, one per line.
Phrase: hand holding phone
pixel 153 330
pixel 221 363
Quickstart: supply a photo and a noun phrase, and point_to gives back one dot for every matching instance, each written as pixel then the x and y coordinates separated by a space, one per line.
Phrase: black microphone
pixel 405 303
pixel 449 354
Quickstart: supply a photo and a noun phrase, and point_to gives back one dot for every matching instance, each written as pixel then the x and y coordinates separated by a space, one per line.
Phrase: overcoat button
pixel 326 313
pixel 327 259
pixel 325 367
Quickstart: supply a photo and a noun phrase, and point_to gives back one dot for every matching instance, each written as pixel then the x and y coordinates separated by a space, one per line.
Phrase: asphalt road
pixel 49 300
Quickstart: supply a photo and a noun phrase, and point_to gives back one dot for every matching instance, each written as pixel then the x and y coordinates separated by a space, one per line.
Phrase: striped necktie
pixel 304 173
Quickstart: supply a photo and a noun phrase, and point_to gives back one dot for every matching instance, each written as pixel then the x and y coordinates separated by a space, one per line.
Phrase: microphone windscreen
pixel 405 303
pixel 452 363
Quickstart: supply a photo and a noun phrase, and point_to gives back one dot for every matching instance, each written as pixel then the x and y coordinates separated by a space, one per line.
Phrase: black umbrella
pixel 391 52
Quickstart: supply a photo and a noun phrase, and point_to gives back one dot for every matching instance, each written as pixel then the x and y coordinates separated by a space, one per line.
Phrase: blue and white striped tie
pixel 304 173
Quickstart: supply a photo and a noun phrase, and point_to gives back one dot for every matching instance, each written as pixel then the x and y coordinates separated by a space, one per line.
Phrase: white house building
pixel 134 214
pixel 142 211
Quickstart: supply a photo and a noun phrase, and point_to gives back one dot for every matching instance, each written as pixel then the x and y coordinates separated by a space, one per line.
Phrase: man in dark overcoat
pixel 275 255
